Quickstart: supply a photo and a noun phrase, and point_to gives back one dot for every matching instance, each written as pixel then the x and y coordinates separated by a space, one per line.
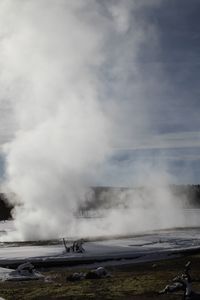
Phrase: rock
pixel 97 273
pixel 76 277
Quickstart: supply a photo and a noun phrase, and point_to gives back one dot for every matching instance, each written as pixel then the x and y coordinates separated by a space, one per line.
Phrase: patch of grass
pixel 140 281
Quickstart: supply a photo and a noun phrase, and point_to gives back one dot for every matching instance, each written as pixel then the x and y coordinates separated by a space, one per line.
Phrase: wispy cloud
pixel 164 141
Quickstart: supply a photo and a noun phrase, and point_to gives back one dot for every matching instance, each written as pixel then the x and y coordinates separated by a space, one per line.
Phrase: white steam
pixel 70 78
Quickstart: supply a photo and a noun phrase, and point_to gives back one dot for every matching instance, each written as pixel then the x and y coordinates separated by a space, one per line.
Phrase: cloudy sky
pixel 165 129
pixel 173 139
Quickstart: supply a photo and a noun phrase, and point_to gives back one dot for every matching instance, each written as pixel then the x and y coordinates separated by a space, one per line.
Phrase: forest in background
pixel 108 197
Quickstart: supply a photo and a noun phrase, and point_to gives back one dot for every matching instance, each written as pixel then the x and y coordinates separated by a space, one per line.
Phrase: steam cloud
pixel 71 83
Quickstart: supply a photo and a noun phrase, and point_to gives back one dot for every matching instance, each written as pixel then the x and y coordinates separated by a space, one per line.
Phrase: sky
pixel 174 135
pixel 166 78
pixel 178 25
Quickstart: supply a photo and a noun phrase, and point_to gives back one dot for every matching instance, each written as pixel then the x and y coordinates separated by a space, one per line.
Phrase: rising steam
pixel 71 81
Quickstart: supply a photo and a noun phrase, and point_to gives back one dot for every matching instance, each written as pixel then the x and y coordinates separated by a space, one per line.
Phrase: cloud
pixel 165 141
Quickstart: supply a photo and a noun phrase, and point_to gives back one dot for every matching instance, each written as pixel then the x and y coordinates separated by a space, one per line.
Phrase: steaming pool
pixel 149 246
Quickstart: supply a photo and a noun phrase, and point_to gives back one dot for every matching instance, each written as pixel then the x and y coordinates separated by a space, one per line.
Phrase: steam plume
pixel 71 80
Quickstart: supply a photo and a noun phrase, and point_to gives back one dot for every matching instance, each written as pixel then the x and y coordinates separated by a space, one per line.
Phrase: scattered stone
pixel 49 279
pixel 76 277
pixel 97 273
pixel 92 274
pixel 25 271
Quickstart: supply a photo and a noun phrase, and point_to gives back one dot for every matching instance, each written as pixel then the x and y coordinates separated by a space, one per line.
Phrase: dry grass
pixel 141 281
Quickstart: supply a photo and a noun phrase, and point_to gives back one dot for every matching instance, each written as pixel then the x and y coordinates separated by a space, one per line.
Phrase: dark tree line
pixel 108 197
pixel 188 193
pixel 5 208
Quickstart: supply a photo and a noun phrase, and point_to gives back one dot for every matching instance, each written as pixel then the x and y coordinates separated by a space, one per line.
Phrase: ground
pixel 134 281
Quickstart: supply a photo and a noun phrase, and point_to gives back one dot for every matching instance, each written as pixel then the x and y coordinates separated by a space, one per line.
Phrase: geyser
pixel 72 86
